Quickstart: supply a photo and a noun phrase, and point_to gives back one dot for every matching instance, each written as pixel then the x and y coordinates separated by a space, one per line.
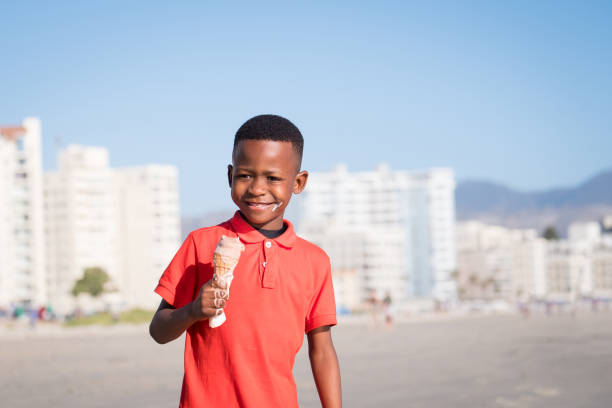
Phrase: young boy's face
pixel 263 177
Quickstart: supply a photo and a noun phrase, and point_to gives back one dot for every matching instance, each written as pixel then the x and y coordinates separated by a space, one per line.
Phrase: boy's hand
pixel 169 323
pixel 211 300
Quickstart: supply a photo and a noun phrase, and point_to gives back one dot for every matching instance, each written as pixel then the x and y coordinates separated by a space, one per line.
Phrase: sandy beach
pixel 483 361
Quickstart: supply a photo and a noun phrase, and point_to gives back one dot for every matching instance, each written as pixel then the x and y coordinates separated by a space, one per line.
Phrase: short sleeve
pixel 177 283
pixel 322 310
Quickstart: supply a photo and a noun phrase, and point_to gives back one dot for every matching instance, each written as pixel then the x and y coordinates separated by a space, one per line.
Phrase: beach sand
pixel 485 361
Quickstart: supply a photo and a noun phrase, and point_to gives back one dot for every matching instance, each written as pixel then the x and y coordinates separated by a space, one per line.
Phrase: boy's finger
pixel 219 303
pixel 219 282
pixel 220 294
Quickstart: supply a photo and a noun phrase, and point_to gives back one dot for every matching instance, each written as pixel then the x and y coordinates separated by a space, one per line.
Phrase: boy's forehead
pixel 279 150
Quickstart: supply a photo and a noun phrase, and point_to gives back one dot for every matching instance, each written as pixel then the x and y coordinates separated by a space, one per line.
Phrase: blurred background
pixel 458 155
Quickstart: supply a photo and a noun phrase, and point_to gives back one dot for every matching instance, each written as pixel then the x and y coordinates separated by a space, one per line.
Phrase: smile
pixel 259 206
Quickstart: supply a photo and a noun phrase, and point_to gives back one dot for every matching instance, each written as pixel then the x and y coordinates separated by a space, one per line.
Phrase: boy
pixel 281 290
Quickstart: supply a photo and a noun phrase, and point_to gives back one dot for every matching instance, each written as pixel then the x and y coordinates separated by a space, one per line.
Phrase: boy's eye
pixel 272 178
pixel 243 176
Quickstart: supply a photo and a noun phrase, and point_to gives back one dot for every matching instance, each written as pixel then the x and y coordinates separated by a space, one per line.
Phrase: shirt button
pixel 268 244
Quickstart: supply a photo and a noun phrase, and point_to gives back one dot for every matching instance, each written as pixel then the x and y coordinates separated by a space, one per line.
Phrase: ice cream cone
pixel 225 258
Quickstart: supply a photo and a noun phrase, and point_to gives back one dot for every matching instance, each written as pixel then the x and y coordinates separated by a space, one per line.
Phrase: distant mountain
pixel 495 203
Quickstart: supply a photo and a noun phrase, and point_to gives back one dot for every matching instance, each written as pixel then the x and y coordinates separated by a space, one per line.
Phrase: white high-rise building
pixel 364 261
pixel 580 266
pixel 584 234
pixel 81 219
pixel 22 258
pixel 394 228
pixel 602 273
pixel 513 264
pixel 568 270
pixel 125 221
pixel 498 262
pixel 149 229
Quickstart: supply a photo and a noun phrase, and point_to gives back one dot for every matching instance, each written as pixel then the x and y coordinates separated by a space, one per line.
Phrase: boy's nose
pixel 257 186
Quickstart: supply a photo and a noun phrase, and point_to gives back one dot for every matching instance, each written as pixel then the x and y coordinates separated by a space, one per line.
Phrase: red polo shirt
pixel 282 288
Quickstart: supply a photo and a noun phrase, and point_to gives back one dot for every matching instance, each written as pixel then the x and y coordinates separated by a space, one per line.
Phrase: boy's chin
pixel 261 220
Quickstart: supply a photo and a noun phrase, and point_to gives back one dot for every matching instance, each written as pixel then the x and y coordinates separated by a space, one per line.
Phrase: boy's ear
pixel 230 169
pixel 300 182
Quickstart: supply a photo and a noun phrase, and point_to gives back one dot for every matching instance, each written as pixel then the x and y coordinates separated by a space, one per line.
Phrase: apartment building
pixel 125 221
pixel 601 270
pixel 495 262
pixel 22 249
pixel 81 213
pixel 393 229
pixel 148 225
pixel 501 263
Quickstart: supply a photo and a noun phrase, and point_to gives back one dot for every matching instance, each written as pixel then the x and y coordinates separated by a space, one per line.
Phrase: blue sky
pixel 514 92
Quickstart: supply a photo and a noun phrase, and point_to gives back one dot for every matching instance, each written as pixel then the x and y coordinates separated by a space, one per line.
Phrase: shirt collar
pixel 250 235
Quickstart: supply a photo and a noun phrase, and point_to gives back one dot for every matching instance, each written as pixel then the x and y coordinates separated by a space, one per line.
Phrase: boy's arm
pixel 325 368
pixel 169 323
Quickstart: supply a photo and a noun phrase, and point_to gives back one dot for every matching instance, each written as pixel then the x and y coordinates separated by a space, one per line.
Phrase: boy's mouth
pixel 261 206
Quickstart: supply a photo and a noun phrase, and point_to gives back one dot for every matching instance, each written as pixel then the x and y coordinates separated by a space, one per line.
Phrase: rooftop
pixel 11 132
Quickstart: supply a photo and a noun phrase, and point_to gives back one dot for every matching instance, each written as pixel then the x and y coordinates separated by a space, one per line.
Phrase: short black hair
pixel 271 127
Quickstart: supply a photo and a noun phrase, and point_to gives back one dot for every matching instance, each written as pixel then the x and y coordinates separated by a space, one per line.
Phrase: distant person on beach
pixel 281 287
pixel 387 309
pixel 373 305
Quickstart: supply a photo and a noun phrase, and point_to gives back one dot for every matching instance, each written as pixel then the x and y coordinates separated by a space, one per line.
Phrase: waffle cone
pixel 223 264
